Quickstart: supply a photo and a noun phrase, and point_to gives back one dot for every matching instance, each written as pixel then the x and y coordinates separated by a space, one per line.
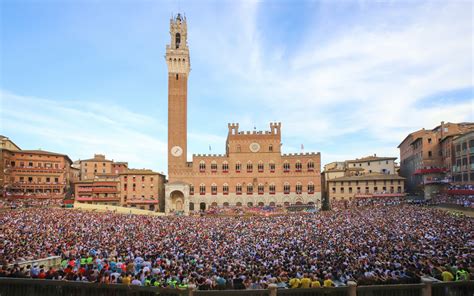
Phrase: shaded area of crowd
pixel 371 245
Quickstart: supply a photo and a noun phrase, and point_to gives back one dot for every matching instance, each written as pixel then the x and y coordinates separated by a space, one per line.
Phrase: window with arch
pixel 310 166
pixel 310 188
pixel 260 167
pixel 286 188
pixel 213 189
pixel 249 167
pixel 238 167
pixel 225 189
pixel 202 166
pixel 299 188
pixel 272 167
pixel 272 188
pixel 238 189
pixel 214 167
pixel 298 166
pixel 286 167
pixel 249 189
pixel 178 39
pixel 202 189
pixel 191 189
pixel 270 148
pixel 225 167
pixel 261 189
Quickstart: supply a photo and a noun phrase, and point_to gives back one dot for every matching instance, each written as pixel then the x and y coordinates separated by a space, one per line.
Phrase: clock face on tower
pixel 254 147
pixel 176 151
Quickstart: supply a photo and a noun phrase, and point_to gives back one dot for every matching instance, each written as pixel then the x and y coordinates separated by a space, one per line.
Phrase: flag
pixel 210 148
pixel 302 147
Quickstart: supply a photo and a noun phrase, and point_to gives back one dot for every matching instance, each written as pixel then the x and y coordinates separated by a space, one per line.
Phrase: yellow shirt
pixel 305 283
pixel 315 284
pixel 294 283
pixel 126 280
pixel 328 283
pixel 447 276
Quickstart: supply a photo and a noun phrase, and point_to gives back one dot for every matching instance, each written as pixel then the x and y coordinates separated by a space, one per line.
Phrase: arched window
pixel 191 189
pixel 213 166
pixel 261 189
pixel 202 189
pixel 225 189
pixel 260 167
pixel 271 188
pixel 310 166
pixel 310 188
pixel 270 148
pixel 286 167
pixel 225 167
pixel 177 39
pixel 271 166
pixel 249 167
pixel 286 188
pixel 299 188
pixel 238 189
pixel 249 189
pixel 213 189
pixel 238 167
pixel 298 166
pixel 202 166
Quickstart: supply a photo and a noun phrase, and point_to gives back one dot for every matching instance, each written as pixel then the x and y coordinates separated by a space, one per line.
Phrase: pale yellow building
pixel 366 185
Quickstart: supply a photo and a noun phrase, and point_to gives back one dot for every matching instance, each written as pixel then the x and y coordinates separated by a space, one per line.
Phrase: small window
pixel 310 188
pixel 214 167
pixel 298 166
pixel 202 166
pixel 299 188
pixel 271 188
pixel 202 189
pixel 238 167
pixel 286 167
pixel 286 188
pixel 225 167
pixel 213 189
pixel 272 167
pixel 225 189
pixel 310 166
pixel 191 189
pixel 238 189
pixel 249 189
pixel 270 148
pixel 260 167
pixel 249 167
pixel 261 189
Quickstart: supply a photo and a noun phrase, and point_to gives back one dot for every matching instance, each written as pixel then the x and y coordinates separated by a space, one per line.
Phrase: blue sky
pixel 345 78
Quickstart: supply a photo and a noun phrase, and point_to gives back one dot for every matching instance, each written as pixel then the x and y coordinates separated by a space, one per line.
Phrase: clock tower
pixel 177 59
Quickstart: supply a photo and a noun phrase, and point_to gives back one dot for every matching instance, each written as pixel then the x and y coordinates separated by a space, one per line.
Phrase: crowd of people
pixel 29 202
pixel 466 201
pixel 367 202
pixel 371 245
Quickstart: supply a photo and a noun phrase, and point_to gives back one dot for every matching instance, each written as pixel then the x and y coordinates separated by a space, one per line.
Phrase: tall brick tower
pixel 177 59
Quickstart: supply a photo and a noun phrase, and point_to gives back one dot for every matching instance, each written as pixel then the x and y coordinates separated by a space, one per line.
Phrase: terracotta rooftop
pixel 369 177
pixel 370 158
pixel 139 172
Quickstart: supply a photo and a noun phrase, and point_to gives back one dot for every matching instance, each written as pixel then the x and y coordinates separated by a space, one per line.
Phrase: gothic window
pixel 261 188
pixel 213 189
pixel 178 39
pixel 213 167
pixel 225 189
pixel 286 167
pixel 191 189
pixel 225 167
pixel 298 166
pixel 260 167
pixel 202 166
pixel 270 148
pixel 310 166
pixel 310 188
pixel 249 189
pixel 238 189
pixel 286 188
pixel 299 188
pixel 272 167
pixel 202 189
pixel 249 167
pixel 271 188
pixel 238 167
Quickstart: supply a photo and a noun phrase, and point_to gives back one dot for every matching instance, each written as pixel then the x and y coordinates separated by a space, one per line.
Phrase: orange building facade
pixel 252 172
pixel 143 189
pixel 35 174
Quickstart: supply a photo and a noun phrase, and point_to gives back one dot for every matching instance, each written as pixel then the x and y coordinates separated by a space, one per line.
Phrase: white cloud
pixel 81 129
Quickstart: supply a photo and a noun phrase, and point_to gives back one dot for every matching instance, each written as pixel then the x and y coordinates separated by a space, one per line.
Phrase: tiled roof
pixel 370 158
pixel 369 177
